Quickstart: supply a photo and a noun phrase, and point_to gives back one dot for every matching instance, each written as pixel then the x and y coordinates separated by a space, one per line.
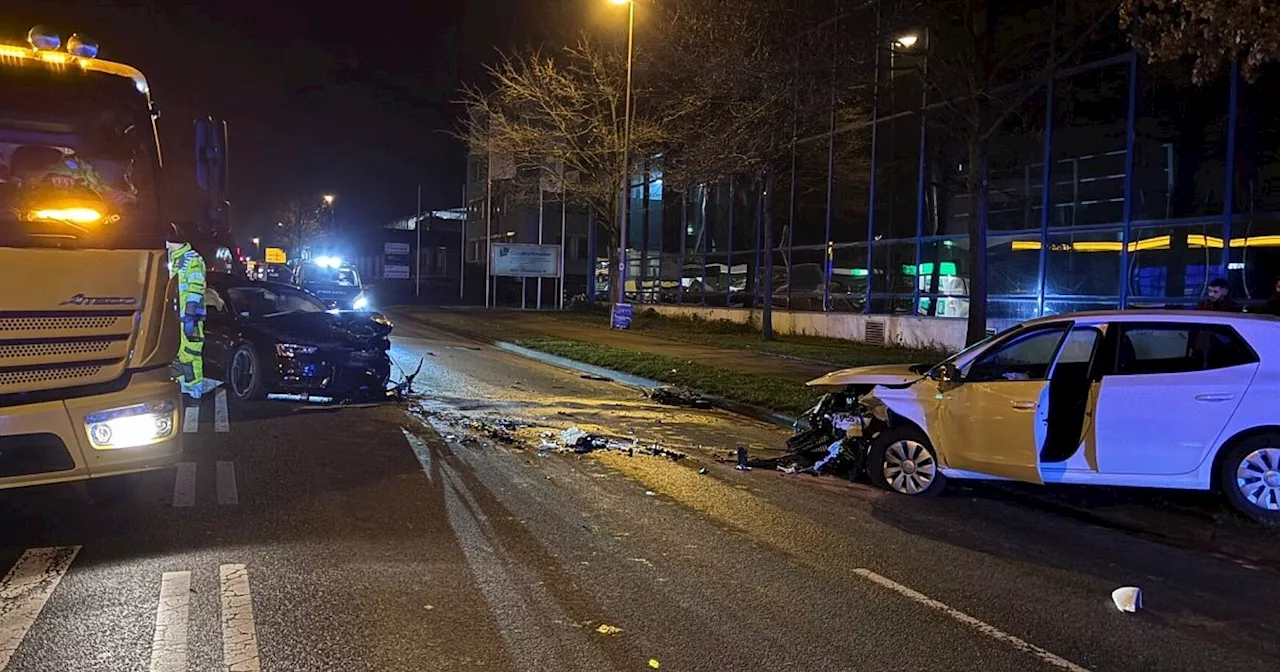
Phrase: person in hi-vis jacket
pixel 187 265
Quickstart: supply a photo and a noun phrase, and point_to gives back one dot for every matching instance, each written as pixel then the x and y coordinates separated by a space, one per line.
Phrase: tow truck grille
pixel 67 374
pixel 48 350
pixel 57 323
pixel 54 349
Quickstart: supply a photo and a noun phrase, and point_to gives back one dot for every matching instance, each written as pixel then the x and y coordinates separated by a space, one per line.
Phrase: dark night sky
pixel 355 100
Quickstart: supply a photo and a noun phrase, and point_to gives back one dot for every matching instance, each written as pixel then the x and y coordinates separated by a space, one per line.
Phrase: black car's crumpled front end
pixel 343 357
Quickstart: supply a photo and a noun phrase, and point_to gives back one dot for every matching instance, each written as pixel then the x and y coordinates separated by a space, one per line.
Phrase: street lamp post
pixel 626 152
pixel 328 203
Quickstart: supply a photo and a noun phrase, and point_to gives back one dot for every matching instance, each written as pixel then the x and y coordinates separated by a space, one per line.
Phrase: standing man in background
pixel 187 265
pixel 1218 298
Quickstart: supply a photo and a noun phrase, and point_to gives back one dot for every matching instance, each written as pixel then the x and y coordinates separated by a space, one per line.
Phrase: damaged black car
pixel 268 338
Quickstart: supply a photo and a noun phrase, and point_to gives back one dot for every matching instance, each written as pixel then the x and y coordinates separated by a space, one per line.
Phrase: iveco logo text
pixel 82 300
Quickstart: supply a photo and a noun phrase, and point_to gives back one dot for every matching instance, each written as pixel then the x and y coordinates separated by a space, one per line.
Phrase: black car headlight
pixel 293 349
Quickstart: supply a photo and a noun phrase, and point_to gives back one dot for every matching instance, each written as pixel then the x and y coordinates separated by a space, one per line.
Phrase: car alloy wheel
pixel 909 467
pixel 1258 478
pixel 242 373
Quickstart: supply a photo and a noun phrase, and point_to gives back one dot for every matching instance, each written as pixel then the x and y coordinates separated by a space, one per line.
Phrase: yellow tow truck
pixel 88 328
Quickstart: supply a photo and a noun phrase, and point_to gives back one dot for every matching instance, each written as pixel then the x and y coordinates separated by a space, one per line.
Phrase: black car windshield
pixel 315 274
pixel 271 301
pixel 78 161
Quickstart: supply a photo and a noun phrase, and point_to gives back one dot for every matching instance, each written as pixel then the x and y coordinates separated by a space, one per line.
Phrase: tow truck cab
pixel 88 326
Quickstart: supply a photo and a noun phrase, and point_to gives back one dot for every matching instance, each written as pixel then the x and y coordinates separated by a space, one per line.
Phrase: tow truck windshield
pixel 78 161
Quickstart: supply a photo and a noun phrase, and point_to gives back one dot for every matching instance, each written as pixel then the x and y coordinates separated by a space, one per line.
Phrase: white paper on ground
pixel 1127 598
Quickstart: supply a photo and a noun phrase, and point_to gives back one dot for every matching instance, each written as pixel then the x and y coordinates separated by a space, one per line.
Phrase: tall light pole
pixel 626 151
pixel 328 200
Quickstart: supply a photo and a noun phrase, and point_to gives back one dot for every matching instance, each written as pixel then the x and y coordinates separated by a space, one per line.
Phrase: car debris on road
pixel 678 396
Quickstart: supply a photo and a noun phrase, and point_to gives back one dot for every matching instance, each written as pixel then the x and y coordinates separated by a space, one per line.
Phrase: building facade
pixel 1116 184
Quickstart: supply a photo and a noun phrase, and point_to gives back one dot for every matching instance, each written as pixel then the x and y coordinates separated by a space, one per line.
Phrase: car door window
pixel 215 306
pixel 1024 357
pixel 1162 348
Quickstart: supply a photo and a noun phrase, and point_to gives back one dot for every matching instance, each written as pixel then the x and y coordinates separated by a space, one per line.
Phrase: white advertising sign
pixel 526 260
pixel 395 272
pixel 401 249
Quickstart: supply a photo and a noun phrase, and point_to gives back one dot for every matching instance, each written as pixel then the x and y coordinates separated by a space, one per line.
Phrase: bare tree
pixel 1211 33
pixel 748 75
pixel 563 111
pixel 299 224
pixel 982 70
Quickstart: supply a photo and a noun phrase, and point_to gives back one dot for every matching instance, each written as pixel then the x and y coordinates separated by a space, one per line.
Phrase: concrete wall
pixel 905 330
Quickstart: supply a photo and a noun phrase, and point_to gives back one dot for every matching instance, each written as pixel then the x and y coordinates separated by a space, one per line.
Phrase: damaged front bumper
pixel 350 375
pixel 840 428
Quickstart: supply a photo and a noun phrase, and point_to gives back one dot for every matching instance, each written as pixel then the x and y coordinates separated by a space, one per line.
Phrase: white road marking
pixel 239 639
pixel 221 423
pixel 420 449
pixel 191 419
pixel 169 647
pixel 25 590
pixel 226 479
pixel 184 484
pixel 965 619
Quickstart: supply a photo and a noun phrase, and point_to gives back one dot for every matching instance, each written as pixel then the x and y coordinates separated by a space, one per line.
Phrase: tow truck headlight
pixel 361 302
pixel 131 426
pixel 293 349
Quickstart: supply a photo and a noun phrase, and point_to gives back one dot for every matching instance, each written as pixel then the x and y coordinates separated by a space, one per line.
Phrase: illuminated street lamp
pixel 907 41
pixel 328 199
pixel 257 244
pixel 626 150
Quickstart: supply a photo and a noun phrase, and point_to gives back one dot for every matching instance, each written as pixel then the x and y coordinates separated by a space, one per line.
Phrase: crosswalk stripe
pixel 25 590
pixel 169 647
pixel 191 420
pixel 226 481
pixel 221 423
pixel 239 639
pixel 184 484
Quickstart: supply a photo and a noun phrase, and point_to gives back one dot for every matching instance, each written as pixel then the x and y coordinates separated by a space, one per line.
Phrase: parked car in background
pixel 275 273
pixel 273 338
pixel 1142 398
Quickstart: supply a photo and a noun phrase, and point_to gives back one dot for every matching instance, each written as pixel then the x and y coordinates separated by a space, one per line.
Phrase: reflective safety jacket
pixel 188 266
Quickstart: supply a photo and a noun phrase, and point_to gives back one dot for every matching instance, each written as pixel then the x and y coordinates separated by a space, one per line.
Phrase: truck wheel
pixel 902 460
pixel 245 376
pixel 1249 476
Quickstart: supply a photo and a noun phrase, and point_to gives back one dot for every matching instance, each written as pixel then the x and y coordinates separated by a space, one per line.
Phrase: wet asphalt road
pixel 394 539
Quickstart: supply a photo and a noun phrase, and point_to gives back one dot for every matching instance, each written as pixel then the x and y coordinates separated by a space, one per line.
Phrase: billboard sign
pixel 526 260
pixel 275 255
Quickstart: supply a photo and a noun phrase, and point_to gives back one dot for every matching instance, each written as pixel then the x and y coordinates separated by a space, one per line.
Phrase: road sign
pixel 621 318
pixel 395 272
pixel 525 260
pixel 275 255
pixel 401 249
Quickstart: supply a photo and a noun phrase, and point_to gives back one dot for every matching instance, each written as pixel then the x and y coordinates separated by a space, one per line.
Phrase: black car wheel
pixel 245 376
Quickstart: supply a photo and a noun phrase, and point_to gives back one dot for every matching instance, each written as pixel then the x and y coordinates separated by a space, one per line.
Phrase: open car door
pixel 990 420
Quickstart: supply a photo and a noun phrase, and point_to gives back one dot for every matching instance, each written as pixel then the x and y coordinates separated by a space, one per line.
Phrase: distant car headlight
pixel 131 426
pixel 361 302
pixel 293 349
pixel 379 318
